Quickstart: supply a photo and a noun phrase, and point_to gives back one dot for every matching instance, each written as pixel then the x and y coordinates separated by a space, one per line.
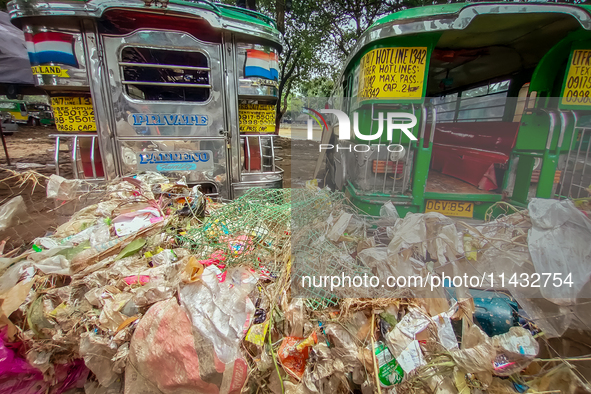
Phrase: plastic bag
pixel 221 311
pixel 515 350
pixel 192 270
pixel 339 227
pixel 167 356
pixel 97 353
pixel 19 377
pixel 100 235
pixel 129 223
pixel 477 353
pixel 64 189
pixel 166 257
pixel 559 243
pixel 431 233
pixel 388 215
pixel 293 353
pixel 11 212
pixel 56 264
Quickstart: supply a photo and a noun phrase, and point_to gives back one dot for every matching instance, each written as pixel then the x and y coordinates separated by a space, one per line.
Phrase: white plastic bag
pixel 11 211
pixel 559 244
pixel 221 311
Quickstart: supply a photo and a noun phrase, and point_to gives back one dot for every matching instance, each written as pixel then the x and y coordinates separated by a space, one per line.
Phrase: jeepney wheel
pixel 33 122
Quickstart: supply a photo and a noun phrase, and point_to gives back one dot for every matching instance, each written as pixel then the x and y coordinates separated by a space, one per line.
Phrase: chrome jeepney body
pixel 183 88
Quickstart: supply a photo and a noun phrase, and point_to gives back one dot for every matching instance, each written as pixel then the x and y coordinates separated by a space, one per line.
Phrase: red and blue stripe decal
pixel 261 64
pixel 51 47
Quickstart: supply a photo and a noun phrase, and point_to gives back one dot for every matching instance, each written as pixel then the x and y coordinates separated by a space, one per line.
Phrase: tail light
pixel 391 167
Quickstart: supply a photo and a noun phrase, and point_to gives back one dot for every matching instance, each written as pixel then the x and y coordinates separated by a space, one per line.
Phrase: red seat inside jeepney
pixel 85 145
pixel 470 151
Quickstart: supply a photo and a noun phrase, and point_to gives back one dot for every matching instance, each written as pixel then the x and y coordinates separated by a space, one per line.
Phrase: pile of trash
pixel 157 288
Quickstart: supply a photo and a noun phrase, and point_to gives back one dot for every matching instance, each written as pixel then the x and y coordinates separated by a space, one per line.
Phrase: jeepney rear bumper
pixel 272 180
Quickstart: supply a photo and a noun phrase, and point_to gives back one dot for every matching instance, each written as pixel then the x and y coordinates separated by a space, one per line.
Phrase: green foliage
pixel 317 87
pixel 3 4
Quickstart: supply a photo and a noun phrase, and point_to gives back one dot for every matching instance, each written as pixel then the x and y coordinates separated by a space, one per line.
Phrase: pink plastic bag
pixel 166 355
pixel 17 376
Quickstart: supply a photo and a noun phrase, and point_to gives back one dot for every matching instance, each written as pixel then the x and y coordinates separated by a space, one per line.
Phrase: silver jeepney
pixel 184 88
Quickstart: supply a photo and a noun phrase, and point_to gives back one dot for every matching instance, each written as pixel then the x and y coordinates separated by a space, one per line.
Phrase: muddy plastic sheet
pixel 166 355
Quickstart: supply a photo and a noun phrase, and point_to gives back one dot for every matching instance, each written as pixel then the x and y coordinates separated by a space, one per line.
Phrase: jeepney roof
pixel 219 15
pixel 484 7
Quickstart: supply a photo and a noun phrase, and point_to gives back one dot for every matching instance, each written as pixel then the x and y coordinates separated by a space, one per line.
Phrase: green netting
pixel 252 230
pixel 265 227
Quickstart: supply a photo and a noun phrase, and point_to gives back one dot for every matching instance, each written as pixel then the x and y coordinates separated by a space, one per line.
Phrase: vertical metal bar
pixel 92 155
pixel 272 152
pixel 552 116
pixel 56 155
pixel 585 162
pixel 570 147
pixel 572 179
pixel 385 169
pixel 75 157
pixel 397 160
pixel 423 122
pixel 433 120
pixel 247 152
pixel 375 173
pixel 261 152
pixel 4 144
pixel 563 126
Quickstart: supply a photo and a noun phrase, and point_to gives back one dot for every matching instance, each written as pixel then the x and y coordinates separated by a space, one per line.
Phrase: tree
pixel 317 87
pixel 305 30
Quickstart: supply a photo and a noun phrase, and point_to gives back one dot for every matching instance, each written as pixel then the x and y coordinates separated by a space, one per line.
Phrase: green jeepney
pixel 501 94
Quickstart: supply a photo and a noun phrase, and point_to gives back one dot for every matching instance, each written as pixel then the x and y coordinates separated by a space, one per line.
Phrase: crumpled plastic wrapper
pixel 477 353
pixel 430 232
pixel 220 310
pixel 97 352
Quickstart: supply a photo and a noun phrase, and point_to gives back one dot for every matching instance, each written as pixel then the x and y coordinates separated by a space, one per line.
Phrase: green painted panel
pixel 422 12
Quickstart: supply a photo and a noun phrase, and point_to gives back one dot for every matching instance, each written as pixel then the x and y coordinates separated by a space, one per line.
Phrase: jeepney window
pixel 165 75
pixel 479 104
pixel 446 107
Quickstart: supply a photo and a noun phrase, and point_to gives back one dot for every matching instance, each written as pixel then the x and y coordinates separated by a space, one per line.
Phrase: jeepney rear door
pixel 168 106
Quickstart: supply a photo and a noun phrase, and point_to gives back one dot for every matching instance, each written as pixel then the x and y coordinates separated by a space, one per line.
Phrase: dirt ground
pixel 298 160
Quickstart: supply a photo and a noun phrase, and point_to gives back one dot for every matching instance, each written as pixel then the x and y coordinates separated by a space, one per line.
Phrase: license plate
pixel 73 114
pixel 451 208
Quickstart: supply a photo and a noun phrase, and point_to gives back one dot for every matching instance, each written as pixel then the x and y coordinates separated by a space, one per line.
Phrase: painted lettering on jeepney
pixel 392 73
pixel 167 120
pixel 174 157
pixel 50 70
pixel 577 85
